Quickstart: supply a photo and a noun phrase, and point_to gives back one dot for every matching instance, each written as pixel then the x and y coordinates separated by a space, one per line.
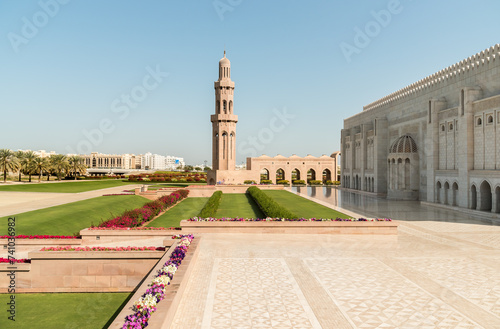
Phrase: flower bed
pixel 139 216
pixel 118 194
pixel 129 248
pixel 146 304
pixel 14 261
pixel 142 228
pixel 268 219
pixel 39 237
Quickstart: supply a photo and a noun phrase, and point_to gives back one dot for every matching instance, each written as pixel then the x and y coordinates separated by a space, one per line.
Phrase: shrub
pixel 299 182
pixel 267 204
pixel 210 208
pixel 315 182
pixel 336 182
pixel 283 182
pixel 249 182
pixel 266 181
pixel 137 217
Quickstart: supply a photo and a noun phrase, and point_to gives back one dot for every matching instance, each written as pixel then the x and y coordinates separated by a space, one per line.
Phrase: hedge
pixel 268 206
pixel 266 181
pixel 315 182
pixel 210 208
pixel 299 182
pixel 283 182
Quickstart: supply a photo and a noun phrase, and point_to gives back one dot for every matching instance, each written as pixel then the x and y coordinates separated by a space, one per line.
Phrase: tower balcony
pixel 223 117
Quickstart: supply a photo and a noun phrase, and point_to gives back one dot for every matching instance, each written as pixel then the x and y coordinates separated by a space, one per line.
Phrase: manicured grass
pixel 303 207
pixel 72 217
pixel 238 205
pixel 64 310
pixel 188 208
pixel 65 187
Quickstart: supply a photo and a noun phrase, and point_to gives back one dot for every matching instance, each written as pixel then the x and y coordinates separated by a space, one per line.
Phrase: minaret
pixel 224 121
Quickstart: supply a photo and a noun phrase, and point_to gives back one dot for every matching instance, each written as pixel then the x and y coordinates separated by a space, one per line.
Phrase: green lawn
pixel 303 207
pixel 188 208
pixel 72 217
pixel 65 187
pixel 238 205
pixel 64 310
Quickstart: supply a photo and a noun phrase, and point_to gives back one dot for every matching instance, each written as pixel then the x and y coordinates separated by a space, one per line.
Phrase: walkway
pixel 12 203
pixel 432 275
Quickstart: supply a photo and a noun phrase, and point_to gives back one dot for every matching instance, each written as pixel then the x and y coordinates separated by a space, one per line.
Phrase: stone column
pixel 493 202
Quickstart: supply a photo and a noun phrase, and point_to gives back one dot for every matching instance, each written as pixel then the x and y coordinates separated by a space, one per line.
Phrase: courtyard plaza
pixel 440 271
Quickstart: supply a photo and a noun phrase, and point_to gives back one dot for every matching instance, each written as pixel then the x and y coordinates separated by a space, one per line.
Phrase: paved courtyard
pixel 438 273
pixel 432 275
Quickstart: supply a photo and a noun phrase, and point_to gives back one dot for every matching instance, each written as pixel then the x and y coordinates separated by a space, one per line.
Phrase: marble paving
pixel 432 275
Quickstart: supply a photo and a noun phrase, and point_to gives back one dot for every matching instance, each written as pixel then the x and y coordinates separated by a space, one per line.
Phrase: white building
pixel 436 140
pixel 159 162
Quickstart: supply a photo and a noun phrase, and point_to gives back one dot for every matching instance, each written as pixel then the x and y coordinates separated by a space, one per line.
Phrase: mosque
pixel 436 140
pixel 276 168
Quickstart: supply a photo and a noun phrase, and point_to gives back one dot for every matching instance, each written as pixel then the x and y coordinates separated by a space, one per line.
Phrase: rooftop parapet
pixel 463 67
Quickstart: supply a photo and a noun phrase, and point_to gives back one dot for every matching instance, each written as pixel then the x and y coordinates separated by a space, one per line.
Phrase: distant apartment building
pixel 146 161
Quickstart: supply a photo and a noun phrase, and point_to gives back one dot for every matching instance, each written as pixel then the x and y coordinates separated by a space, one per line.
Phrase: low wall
pixel 104 236
pixel 208 190
pixel 166 308
pixel 81 271
pixel 306 227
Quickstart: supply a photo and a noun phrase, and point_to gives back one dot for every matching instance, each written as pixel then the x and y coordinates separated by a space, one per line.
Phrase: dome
pixel 404 144
pixel 224 61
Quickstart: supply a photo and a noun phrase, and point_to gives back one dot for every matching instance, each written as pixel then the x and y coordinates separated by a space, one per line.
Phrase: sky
pixel 121 76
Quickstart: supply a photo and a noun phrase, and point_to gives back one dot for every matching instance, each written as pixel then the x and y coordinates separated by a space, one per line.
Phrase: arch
pixel 479 121
pixel 217 104
pixel 224 106
pixel 264 174
pixel 366 184
pixel 473 197
pixel 231 145
pixel 497 200
pixel 373 184
pixel 230 107
pixel 454 189
pixel 295 175
pixel 211 181
pixel 485 196
pixel 280 174
pixel 438 192
pixel 445 192
pixel 311 174
pixel 490 119
pixel 407 174
pixel 224 144
pixel 327 175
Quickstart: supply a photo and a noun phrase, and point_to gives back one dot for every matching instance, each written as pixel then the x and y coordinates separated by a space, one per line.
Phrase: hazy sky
pixel 120 76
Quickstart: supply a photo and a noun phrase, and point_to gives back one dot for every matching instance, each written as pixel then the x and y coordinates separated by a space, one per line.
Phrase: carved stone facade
pixel 437 140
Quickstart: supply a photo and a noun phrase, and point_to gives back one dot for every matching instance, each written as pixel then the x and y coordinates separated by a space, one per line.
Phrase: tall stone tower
pixel 224 121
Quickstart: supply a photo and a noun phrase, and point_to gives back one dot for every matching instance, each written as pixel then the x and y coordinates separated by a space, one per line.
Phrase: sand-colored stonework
pixel 432 275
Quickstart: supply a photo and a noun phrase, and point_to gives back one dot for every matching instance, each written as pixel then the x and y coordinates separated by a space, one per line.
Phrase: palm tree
pixel 27 163
pixel 59 162
pixel 76 164
pixel 19 155
pixel 40 164
pixel 8 162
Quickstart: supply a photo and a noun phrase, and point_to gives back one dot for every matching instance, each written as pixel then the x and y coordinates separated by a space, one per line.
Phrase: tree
pixel 188 168
pixel 8 162
pixel 59 163
pixel 197 168
pixel 206 169
pixel 27 163
pixel 20 156
pixel 39 165
pixel 76 165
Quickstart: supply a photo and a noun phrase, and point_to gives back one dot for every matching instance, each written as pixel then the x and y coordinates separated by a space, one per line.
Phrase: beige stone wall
pixel 441 114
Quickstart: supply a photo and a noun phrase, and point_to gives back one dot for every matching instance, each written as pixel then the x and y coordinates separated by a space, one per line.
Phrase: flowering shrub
pixel 113 194
pixel 129 248
pixel 139 216
pixel 269 219
pixel 13 260
pixel 142 228
pixel 39 237
pixel 146 304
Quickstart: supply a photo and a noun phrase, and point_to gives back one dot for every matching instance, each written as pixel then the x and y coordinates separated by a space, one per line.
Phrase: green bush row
pixel 283 182
pixel 267 204
pixel 210 208
pixel 299 182
pixel 266 181
pixel 315 182
pixel 249 182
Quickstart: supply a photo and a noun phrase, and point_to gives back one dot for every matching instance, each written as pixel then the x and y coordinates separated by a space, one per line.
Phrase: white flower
pixel 148 301
pixel 164 280
pixel 170 269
